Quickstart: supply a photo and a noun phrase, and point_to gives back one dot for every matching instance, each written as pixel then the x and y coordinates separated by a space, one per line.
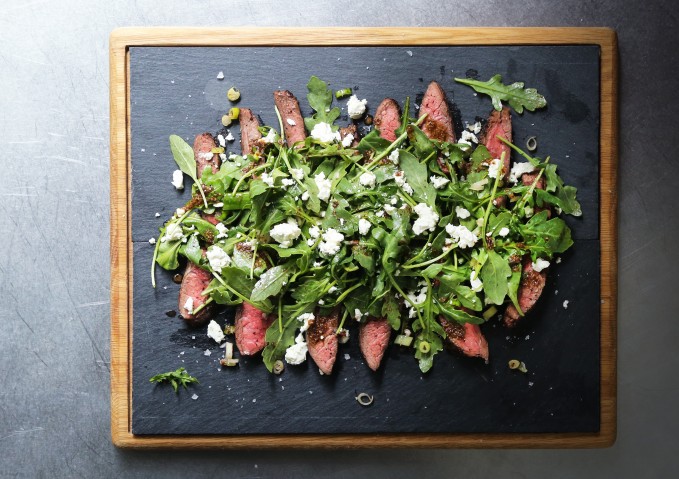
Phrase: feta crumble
pixel 367 179
pixel 152 240
pixel 217 258
pixel 439 181
pixel 393 157
pixel 400 179
pixel 462 213
pixel 475 128
pixel 357 314
pixel 504 231
pixel 229 136
pixel 296 354
pixel 324 185
pixel 305 319
pixel 427 219
pixel 173 232
pixel 519 169
pixel 356 107
pixel 220 76
pixel 285 233
pixel 222 230
pixel 291 122
pixel 266 178
pixel 565 304
pixel 364 226
pixel 188 305
pixel 347 140
pixel 221 140
pixel 468 138
pixel 215 332
pixel 323 132
pixel 462 236
pixel 297 173
pixel 178 179
pixel 270 136
pixel 495 168
pixel 332 242
pixel 314 232
pixel 475 282
pixel 540 264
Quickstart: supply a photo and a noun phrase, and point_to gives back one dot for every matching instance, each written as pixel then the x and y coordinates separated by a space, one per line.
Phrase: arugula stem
pixel 531 160
pixel 254 258
pixel 407 198
pixel 341 324
pixel 240 296
pixel 249 173
pixel 529 193
pixel 280 314
pixel 209 300
pixel 490 205
pixel 280 122
pixel 344 294
pixel 405 296
pixel 199 184
pixel 433 260
pixel 394 144
pixel 157 249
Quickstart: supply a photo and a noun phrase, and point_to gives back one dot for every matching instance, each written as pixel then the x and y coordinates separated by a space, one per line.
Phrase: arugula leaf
pixel 373 142
pixel 192 249
pixel 458 315
pixel 552 236
pixel 417 178
pixel 424 148
pixel 517 97
pixel 186 161
pixel 168 253
pixel 320 99
pixel 270 283
pixel 175 378
pixel 468 298
pixel 392 311
pixel 278 341
pixel 494 274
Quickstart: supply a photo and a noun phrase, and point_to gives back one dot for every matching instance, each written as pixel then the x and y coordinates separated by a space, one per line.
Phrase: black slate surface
pixel 175 90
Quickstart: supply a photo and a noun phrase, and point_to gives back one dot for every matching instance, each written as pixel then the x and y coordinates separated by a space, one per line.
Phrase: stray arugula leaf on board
pixel 175 378
pixel 515 94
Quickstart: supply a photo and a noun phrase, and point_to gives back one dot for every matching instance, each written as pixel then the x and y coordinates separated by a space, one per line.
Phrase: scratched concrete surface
pixel 54 229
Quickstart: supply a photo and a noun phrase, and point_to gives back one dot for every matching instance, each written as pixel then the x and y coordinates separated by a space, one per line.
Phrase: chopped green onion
pixel 424 347
pixel 489 313
pixel 344 92
pixel 403 340
pixel 233 94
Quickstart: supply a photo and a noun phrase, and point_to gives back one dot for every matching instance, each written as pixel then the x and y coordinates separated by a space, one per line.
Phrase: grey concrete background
pixel 54 230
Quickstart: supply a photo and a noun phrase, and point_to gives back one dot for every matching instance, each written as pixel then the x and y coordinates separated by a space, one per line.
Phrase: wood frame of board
pixel 121 235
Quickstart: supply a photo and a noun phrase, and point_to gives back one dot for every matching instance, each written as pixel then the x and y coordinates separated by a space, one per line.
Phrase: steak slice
pixel 353 131
pixel 249 133
pixel 195 280
pixel 439 122
pixel 387 118
pixel 467 338
pixel 202 150
pixel 293 123
pixel 499 124
pixel 251 325
pixel 321 338
pixel 373 338
pixel 530 289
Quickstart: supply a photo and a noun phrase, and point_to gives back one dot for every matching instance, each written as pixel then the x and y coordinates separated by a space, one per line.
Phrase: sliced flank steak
pixel 467 338
pixel 499 124
pixel 293 123
pixel 530 289
pixel 387 119
pixel 439 122
pixel 249 132
pixel 373 338
pixel 251 326
pixel 321 338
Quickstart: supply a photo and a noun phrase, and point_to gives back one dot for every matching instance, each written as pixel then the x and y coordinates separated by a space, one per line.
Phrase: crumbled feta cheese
pixel 152 240
pixel 332 242
pixel 287 182
pixel 314 232
pixel 356 107
pixel 215 332
pixel 188 305
pixel 286 233
pixel 347 140
pixel 296 354
pixel 195 396
pixel 270 136
pixel 173 232
pixel 364 226
pixel 540 264
pixel 180 212
pixel 323 185
pixel 367 179
pixel 462 213
pixel 476 283
pixel 394 200
pixel 357 314
pixel 323 132
pixel 410 53
pixel 222 157
pixel 217 258
pixel 558 260
pixel 297 173
pixel 305 319
pixel 519 169
pixel 333 289
pixel 475 128
pixel 439 181
pixel 565 304
pixel 504 231
pixel 223 230
pixel 380 214
pixel 266 178
pixel 427 219
pixel 468 138
pixel 343 337
pixel 207 352
pixel 462 236
pixel 229 136
pixel 290 121
pixel 305 196
pixel 221 140
pixel 220 76
pixel 393 157
pixel 178 179
pixel 389 209
pixel 400 179
pixel 157 215
pixel 495 168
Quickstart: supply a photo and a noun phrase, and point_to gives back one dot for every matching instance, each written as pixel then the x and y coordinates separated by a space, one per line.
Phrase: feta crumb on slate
pixel 346 141
pixel 195 396
pixel 475 128
pixel 410 53
pixel 291 122
pixel 188 305
pixel 468 138
pixel 152 240
pixel 332 242
pixel 157 215
pixel 178 179
pixel 368 179
pixel 364 226
pixel 296 354
pixel 565 304
pixel 323 185
pixel 519 169
pixel 427 219
pixel 323 132
pixel 540 264
pixel 286 233
pixel 217 258
pixel 207 352
pixel 558 260
pixel 439 181
pixel 229 136
pixel 504 231
pixel 220 76
pixel 215 332
pixel 221 140
pixel 356 107
pixel 462 213
pixel 347 357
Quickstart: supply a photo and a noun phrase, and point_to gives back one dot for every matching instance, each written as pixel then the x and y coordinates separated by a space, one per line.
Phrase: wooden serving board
pixel 490 407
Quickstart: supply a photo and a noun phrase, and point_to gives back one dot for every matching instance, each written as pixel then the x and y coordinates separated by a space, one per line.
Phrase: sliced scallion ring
pixel 364 399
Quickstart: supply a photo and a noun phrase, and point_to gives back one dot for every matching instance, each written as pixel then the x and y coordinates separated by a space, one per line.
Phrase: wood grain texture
pixel 121 267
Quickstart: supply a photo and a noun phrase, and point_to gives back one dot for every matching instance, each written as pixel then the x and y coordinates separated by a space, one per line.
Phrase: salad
pixel 410 235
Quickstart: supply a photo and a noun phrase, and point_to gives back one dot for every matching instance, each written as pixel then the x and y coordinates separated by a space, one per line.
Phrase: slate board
pixel 175 90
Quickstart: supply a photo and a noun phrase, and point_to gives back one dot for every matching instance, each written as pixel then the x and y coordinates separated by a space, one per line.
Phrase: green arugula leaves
pixel 515 94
